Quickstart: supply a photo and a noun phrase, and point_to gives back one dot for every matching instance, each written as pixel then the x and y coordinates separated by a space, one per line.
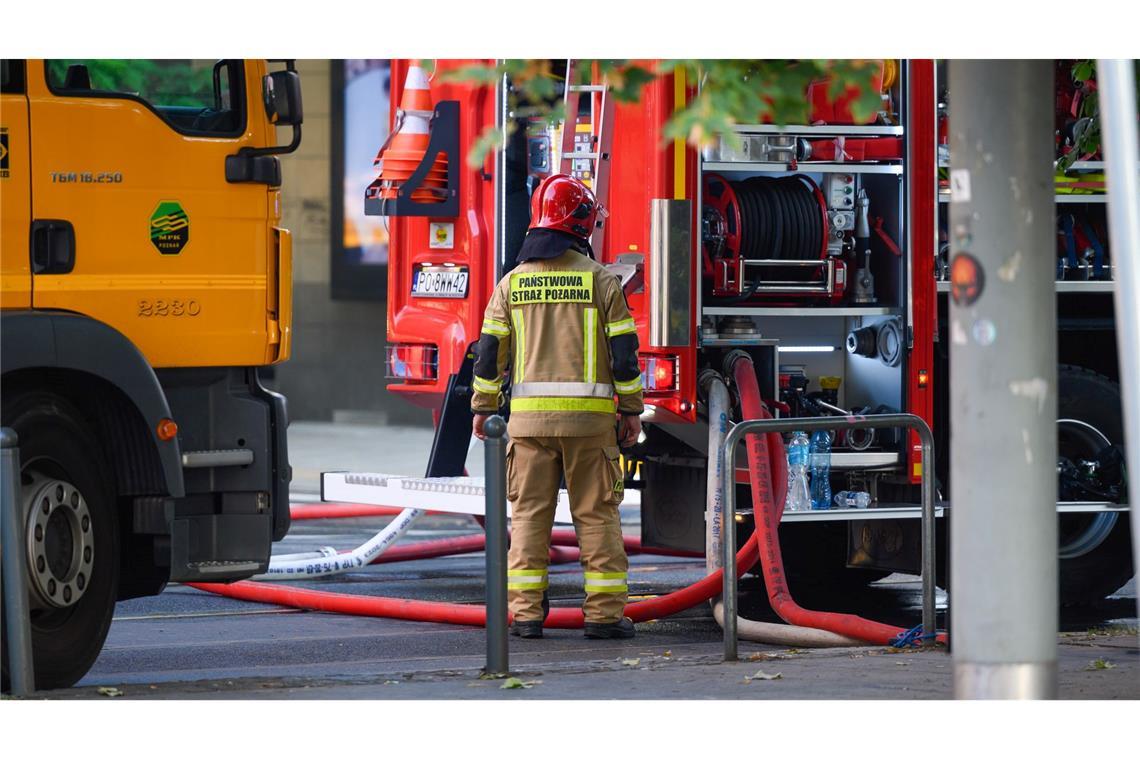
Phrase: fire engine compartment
pixel 821 322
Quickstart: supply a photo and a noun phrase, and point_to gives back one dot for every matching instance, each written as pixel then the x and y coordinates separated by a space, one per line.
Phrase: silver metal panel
pixel 1070 507
pixel 802 166
pixel 820 131
pixel 846 515
pixel 217 458
pixel 849 460
pixel 1063 286
pixel 798 311
pixel 670 311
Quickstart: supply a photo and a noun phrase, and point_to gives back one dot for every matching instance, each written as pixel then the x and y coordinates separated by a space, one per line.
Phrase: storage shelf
pixel 1081 199
pixel 750 340
pixel 798 311
pixel 944 197
pixel 801 166
pixel 1062 286
pixel 914 511
pixel 891 512
pixel 1088 166
pixel 863 460
pixel 823 130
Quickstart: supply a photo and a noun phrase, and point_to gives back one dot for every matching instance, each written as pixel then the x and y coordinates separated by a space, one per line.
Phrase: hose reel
pixel 767 237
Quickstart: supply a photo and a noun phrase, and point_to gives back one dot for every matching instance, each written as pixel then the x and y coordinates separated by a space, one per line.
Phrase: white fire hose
pixel 329 561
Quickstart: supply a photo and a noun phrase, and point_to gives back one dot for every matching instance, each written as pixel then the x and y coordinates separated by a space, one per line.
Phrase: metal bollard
pixel 782 425
pixel 495 448
pixel 14 575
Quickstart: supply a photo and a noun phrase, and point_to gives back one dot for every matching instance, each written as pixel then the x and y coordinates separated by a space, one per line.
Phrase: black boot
pixel 532 629
pixel 622 629
pixel 527 629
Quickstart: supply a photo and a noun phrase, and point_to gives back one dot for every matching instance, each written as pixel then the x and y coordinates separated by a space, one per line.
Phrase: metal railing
pixel 495 463
pixel 736 435
pixel 16 620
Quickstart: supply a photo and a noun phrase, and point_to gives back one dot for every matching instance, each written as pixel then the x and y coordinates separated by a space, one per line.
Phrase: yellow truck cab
pixel 144 280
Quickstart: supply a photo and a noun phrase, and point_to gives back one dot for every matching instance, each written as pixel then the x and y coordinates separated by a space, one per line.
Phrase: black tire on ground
pixel 1092 398
pixel 55 442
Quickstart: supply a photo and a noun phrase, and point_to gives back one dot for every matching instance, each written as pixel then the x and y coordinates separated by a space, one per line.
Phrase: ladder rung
pixel 591 156
pixel 587 88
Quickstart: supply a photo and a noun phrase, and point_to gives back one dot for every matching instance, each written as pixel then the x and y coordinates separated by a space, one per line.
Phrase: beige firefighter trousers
pixel 595 481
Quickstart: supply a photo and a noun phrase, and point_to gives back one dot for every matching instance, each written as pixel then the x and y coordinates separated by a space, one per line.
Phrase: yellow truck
pixel 145 279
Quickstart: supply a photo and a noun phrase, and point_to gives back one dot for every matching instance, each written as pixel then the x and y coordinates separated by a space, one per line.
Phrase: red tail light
pixel 412 362
pixel 658 373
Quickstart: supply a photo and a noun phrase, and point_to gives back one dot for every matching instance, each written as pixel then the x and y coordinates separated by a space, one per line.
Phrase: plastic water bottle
pixel 798 498
pixel 852 500
pixel 820 458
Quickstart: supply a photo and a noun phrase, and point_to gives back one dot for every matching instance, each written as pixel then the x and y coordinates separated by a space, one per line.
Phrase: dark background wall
pixel 337 367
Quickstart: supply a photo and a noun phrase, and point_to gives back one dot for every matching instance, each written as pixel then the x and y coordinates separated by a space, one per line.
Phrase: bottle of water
pixel 820 458
pixel 798 498
pixel 852 500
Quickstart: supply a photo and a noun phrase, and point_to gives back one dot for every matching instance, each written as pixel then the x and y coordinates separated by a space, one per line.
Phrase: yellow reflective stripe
pixel 526 571
pixel 486 386
pixel 592 589
pixel 495 327
pixel 605 576
pixel 551 287
pixel 540 404
pixel 627 388
pixel 527 586
pixel 620 328
pixel 520 344
pixel 590 341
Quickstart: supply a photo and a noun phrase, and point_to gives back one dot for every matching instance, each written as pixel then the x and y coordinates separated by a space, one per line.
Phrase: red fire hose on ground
pixel 769 475
pixel 768 504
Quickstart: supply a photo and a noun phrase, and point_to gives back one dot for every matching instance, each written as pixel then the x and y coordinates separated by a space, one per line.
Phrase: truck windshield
pixel 197 97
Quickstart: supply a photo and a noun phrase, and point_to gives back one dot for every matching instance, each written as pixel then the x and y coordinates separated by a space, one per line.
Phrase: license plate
pixel 440 282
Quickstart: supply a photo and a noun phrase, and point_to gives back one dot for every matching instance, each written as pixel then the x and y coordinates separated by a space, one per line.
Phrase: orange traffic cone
pixel 405 149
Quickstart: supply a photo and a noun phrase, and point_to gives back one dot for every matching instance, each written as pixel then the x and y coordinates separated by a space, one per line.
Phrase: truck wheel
pixel 1095 549
pixel 71 532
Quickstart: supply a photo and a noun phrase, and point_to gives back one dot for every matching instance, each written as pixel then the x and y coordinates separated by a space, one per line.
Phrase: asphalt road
pixel 190 644
pixel 187 643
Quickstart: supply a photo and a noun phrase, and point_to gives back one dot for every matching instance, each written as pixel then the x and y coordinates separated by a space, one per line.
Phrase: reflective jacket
pixel 563 326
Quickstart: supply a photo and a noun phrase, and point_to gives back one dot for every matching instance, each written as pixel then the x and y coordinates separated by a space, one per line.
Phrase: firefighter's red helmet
pixel 564 203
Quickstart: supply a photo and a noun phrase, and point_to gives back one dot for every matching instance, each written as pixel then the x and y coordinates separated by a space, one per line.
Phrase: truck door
pixel 15 188
pixel 134 223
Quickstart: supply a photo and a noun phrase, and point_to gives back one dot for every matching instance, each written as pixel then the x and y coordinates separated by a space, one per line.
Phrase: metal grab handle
pixel 851 422
pixel 15 578
pixel 495 466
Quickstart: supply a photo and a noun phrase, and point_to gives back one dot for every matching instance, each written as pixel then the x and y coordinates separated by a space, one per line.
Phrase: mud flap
pixel 453 434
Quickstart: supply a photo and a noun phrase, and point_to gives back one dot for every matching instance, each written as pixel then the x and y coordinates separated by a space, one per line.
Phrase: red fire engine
pixel 818 249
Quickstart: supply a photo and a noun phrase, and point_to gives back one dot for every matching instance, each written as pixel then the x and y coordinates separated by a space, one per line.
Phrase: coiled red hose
pixel 769 507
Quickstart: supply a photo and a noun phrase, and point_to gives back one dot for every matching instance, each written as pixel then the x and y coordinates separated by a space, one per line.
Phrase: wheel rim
pixel 1078 439
pixel 60 541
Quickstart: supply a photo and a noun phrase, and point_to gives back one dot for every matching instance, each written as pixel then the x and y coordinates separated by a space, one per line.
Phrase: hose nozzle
pixel 862 215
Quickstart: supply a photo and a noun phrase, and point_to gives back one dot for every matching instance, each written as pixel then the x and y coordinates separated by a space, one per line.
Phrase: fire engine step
pixel 461 495
pixel 466 495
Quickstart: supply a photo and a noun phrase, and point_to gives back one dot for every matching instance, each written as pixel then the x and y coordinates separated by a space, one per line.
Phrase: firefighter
pixel 560 320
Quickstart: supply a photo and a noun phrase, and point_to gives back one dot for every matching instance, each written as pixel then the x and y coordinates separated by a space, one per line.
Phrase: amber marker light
pixel 167 429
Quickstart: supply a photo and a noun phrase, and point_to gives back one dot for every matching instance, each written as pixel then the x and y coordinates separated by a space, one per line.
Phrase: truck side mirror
pixel 281 91
pixel 281 94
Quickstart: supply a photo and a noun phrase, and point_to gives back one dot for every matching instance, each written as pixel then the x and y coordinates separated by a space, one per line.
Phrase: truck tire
pixel 72 530
pixel 1095 550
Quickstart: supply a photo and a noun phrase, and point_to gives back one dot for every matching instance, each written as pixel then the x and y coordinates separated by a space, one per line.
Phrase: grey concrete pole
pixel 15 574
pixel 495 470
pixel 1116 80
pixel 1003 381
